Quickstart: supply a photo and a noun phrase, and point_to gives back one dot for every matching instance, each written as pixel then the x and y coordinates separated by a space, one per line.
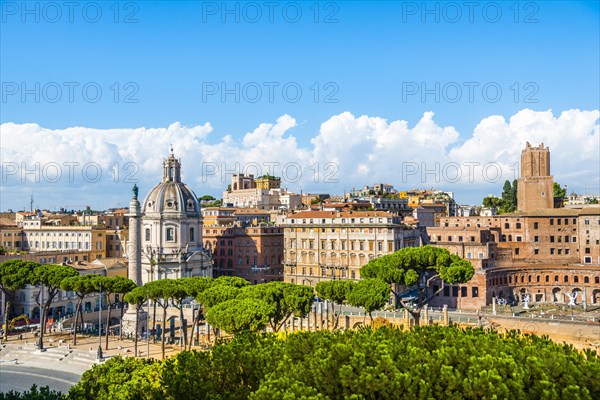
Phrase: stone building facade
pixel 252 252
pixel 526 253
pixel 538 253
pixel 536 185
pixel 325 245
pixel 264 193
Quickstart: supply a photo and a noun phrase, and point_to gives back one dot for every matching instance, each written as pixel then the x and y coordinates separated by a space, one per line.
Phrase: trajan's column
pixel 134 255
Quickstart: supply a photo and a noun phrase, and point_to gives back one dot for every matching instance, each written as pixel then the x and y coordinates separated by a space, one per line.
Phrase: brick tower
pixel 535 189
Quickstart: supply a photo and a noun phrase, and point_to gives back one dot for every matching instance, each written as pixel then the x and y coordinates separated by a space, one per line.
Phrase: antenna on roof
pixel 31 204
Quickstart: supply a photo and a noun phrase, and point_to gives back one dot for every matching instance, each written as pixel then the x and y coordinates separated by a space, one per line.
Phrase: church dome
pixel 171 195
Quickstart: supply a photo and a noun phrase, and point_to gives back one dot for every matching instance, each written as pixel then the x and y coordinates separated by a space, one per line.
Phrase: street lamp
pixel 99 353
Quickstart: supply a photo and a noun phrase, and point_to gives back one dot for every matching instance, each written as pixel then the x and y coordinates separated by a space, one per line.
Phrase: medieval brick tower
pixel 535 189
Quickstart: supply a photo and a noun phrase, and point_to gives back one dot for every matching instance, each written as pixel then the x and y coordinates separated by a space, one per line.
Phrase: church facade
pixel 168 238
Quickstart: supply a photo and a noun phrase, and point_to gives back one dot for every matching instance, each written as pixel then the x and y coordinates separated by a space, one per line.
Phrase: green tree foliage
pixel 43 393
pixel 160 292
pixel 240 315
pixel 177 293
pixel 221 289
pixel 336 292
pixel 285 300
pixel 14 275
pixel 493 202
pixel 51 277
pixel 195 287
pixel 371 294
pixel 81 285
pixel 414 268
pixel 120 378
pixel 430 362
pixel 122 286
pixel 509 197
pixel 111 286
pixel 559 191
pixel 137 297
pixel 591 200
pixel 218 294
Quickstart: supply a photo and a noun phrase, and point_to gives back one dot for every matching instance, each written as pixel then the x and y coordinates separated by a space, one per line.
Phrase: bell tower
pixel 535 188
pixel 171 169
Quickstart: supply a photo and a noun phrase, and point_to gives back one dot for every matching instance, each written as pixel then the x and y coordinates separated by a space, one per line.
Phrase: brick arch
pixel 557 295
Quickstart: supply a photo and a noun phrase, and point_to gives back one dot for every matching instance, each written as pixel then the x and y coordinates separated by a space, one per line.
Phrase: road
pixel 20 378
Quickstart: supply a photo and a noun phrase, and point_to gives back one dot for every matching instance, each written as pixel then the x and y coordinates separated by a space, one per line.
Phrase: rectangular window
pixel 536 238
pixel 474 291
pixel 454 291
pixel 536 251
pixel 170 235
pixel 536 225
pixel 551 239
pixel 551 221
pixel 446 291
pixel 517 251
pixel 552 250
pixel 463 291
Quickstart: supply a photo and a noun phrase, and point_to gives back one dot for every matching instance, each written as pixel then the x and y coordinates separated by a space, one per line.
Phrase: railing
pixel 459 315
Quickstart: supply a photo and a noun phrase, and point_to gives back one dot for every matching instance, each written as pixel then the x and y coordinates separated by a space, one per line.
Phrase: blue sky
pixel 370 58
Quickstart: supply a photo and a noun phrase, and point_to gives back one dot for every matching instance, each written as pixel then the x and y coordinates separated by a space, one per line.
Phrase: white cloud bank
pixel 62 166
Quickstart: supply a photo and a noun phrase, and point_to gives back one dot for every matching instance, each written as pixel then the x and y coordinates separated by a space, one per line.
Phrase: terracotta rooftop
pixel 5 222
pixel 556 212
pixel 339 214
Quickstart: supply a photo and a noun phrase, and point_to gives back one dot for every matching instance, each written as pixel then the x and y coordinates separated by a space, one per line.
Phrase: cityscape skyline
pixel 78 163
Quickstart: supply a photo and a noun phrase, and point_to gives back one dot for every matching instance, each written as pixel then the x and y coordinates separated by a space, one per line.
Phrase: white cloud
pixel 352 150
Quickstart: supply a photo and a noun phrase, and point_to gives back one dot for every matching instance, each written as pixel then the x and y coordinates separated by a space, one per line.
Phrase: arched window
pixel 586 279
pixel 576 279
pixel 566 278
pixel 170 235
